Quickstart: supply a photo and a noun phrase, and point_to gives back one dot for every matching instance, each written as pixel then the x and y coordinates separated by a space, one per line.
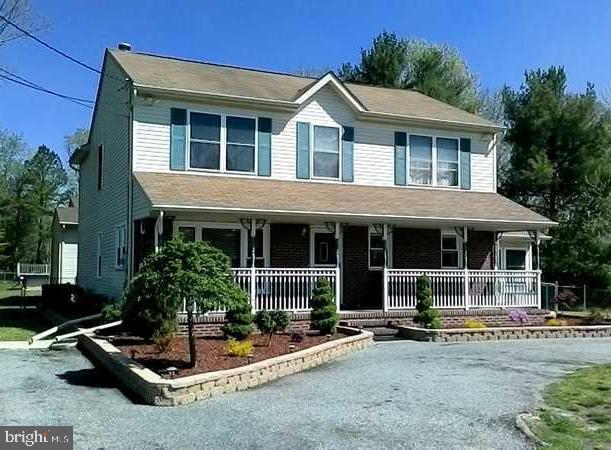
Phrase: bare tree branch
pixel 22 14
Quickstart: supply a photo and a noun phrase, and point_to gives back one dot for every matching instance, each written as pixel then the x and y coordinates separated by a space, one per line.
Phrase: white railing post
pixel 18 269
pixel 337 288
pixel 338 265
pixel 253 272
pixel 539 299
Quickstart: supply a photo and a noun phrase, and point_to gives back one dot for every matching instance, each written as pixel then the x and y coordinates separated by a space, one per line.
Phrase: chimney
pixel 125 46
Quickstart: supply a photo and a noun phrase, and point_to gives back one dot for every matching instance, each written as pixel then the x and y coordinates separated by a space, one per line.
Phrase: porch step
pixel 381 328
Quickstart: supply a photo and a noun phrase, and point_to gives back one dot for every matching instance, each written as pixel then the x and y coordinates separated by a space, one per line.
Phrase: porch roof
pixel 335 201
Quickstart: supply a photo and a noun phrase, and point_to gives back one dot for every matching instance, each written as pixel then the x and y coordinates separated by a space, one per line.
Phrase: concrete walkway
pixel 396 395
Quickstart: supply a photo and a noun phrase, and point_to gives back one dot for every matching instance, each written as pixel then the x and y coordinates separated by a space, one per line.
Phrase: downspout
pixel 130 190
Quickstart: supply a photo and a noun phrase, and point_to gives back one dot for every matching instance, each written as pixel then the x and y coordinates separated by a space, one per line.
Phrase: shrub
pixel 427 316
pixel 597 317
pixel 298 336
pixel 474 323
pixel 162 342
pixel 555 323
pixel 111 312
pixel 239 348
pixel 324 311
pixel 270 322
pixel 518 316
pixel 180 270
pixel 566 300
pixel 239 319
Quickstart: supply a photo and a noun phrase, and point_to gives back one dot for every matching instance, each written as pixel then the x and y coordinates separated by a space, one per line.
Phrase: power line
pixel 50 47
pixel 38 86
pixel 47 91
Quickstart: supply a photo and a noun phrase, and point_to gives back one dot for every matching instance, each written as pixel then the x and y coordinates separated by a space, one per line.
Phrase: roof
pixel 179 75
pixel 245 195
pixel 67 215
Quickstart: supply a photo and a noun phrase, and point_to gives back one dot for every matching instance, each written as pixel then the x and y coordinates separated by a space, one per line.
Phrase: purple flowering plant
pixel 518 316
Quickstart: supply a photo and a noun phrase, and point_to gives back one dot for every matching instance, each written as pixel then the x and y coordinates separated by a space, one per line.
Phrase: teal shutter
pixel 400 158
pixel 347 154
pixel 465 163
pixel 303 150
pixel 178 138
pixel 265 147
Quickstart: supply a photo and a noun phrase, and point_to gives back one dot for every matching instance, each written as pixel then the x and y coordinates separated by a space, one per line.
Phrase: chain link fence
pixel 555 296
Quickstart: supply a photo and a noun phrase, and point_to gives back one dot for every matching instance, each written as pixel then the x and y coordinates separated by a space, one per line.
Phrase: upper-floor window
pixel 421 159
pixel 326 152
pixel 222 142
pixel 447 162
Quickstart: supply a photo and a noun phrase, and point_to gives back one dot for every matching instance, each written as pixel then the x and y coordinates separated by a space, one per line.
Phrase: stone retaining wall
pixel 502 333
pixel 155 390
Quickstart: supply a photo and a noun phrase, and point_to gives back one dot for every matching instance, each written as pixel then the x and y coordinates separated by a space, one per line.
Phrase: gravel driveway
pixel 396 395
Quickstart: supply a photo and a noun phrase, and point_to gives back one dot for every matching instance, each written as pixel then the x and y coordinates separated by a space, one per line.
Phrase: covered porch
pixel 479 249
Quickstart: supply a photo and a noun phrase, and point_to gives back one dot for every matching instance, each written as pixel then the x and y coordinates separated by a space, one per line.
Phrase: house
pixel 64 244
pixel 298 178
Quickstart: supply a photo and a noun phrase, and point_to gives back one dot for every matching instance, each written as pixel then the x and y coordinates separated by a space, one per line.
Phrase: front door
pixel 362 281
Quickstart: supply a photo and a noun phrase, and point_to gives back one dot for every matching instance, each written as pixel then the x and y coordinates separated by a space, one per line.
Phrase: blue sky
pixel 498 39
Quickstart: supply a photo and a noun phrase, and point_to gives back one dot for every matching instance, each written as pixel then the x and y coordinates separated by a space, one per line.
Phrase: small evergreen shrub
pixel 162 343
pixel 474 323
pixel 427 316
pixel 555 323
pixel 112 312
pixel 239 348
pixel 298 336
pixel 324 314
pixel 239 319
pixel 270 322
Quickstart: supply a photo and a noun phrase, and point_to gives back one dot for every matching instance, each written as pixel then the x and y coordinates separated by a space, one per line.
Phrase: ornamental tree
pixel 191 271
pixel 427 316
pixel 239 318
pixel 270 322
pixel 324 312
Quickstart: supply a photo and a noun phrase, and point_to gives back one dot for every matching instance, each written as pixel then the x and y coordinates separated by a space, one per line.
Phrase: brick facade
pixel 290 246
pixel 416 249
pixel 480 245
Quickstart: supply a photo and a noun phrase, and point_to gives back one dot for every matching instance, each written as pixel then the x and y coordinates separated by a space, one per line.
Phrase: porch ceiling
pixel 335 202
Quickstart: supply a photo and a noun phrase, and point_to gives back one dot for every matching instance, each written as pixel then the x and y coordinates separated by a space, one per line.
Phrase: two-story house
pixel 297 178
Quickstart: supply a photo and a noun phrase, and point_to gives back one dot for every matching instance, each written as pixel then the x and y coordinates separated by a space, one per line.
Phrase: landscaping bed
pixel 212 352
pixel 577 411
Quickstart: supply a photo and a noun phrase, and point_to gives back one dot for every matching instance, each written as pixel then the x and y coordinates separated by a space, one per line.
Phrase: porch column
pixel 538 263
pixel 158 232
pixel 338 266
pixel 465 260
pixel 385 269
pixel 253 251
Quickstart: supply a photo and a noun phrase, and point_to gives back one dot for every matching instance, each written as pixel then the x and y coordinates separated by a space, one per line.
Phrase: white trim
pixel 222 143
pixel 244 255
pixel 331 78
pixel 341 214
pixel 120 229
pixel 526 248
pixel 459 249
pixel 371 230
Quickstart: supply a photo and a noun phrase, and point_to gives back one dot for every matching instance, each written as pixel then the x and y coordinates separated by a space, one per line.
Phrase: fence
pixel 564 297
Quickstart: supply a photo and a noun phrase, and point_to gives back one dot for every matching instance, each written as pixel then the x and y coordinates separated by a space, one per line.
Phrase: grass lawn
pixel 20 325
pixel 577 414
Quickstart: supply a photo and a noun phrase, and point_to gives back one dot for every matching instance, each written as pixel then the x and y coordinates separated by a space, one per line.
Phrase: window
pixel 188 233
pixel 225 239
pixel 447 162
pixel 100 163
pixel 98 257
pixel 205 143
pixel 120 247
pixel 324 248
pixel 326 152
pixel 515 259
pixel 421 159
pixel 259 258
pixel 451 251
pixel 240 144
pixel 376 250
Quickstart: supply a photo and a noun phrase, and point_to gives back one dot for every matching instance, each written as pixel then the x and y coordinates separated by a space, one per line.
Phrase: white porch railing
pixel 279 289
pixel 32 269
pixel 485 288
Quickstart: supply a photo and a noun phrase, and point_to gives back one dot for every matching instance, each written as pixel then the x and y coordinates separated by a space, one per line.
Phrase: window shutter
pixel 465 163
pixel 265 147
pixel 303 150
pixel 178 138
pixel 400 158
pixel 347 154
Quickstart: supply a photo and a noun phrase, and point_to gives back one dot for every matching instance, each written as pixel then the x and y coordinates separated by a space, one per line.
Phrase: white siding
pixel 373 148
pixel 101 211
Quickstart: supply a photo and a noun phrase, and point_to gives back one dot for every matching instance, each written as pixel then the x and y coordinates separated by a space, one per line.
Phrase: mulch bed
pixel 211 352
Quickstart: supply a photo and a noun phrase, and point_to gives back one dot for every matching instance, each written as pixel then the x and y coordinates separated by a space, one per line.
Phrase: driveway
pixel 396 395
